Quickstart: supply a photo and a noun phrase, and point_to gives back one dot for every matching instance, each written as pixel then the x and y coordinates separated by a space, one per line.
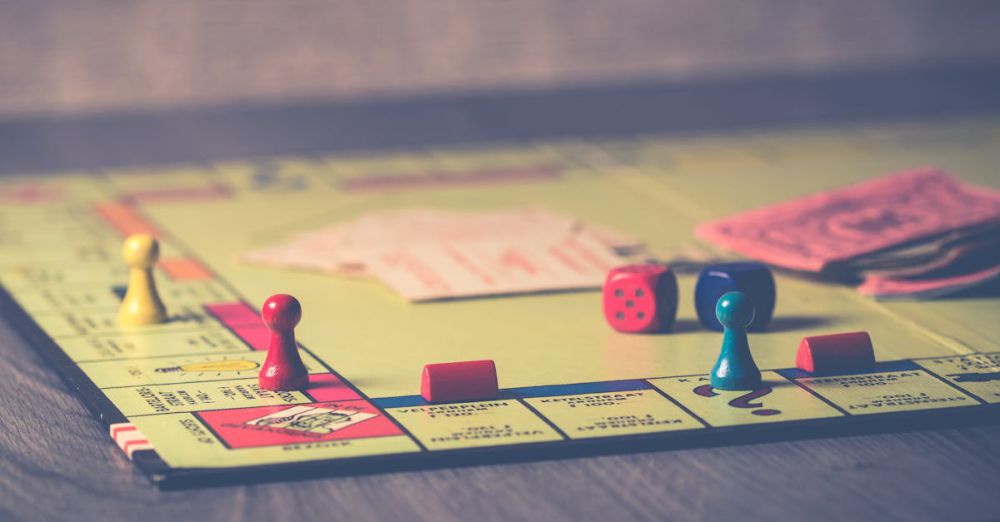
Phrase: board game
pixel 181 398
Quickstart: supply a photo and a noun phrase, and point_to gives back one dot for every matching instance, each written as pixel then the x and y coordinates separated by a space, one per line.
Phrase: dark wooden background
pixel 59 56
pixel 94 84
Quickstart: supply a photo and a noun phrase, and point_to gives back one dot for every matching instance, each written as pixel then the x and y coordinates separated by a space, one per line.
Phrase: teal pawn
pixel 735 369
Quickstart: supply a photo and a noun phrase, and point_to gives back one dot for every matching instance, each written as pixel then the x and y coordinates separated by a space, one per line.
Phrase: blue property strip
pixel 529 392
pixel 578 389
pixel 890 366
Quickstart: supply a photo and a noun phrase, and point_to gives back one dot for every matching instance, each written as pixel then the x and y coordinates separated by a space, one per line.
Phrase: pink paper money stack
pixel 915 234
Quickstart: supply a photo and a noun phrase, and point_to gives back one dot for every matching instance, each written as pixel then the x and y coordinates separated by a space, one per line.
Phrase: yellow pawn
pixel 141 305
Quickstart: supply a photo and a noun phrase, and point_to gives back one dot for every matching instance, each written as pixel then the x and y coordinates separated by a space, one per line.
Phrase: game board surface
pixel 181 398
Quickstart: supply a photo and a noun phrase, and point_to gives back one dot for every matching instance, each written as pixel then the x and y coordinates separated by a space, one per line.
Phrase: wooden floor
pixel 58 463
pixel 59 56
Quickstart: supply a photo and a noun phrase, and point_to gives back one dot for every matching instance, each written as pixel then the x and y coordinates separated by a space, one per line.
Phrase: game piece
pixel 459 381
pixel 835 353
pixel 735 369
pixel 753 279
pixel 283 369
pixel 141 304
pixel 640 298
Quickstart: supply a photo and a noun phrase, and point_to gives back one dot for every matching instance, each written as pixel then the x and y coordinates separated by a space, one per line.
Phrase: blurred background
pixel 97 56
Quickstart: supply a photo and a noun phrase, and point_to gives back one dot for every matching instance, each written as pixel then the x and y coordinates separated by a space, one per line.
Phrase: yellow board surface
pixel 188 386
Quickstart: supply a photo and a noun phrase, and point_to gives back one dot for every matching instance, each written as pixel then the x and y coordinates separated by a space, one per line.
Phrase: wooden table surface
pixel 57 463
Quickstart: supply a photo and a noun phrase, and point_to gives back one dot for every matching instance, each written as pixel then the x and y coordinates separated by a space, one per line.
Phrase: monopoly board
pixel 181 398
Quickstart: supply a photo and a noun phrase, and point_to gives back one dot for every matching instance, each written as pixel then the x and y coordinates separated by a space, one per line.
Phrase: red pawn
pixel 283 369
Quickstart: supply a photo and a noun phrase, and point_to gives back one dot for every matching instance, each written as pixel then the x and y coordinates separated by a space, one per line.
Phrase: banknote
pixel 926 287
pixel 458 269
pixel 906 263
pixel 344 247
pixel 825 231
pixel 429 254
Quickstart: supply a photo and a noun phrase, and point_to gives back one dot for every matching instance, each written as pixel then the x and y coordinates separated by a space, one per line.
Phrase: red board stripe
pixel 436 179
pixel 133 443
pixel 125 219
pixel 185 269
pixel 117 429
pixel 179 194
pixel 243 321
pixel 257 336
pixel 234 314
pixel 135 446
pixel 128 438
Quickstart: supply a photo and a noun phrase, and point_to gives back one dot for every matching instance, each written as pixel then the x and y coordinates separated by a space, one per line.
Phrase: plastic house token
pixel 141 305
pixel 459 381
pixel 640 298
pixel 835 353
pixel 283 369
pixel 753 279
pixel 735 368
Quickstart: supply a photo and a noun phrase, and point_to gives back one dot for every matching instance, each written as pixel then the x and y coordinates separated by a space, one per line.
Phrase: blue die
pixel 753 279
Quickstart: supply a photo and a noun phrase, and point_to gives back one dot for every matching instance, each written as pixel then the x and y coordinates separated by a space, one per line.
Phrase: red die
pixel 640 298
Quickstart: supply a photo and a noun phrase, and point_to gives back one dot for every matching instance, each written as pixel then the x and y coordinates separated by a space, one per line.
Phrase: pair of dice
pixel 643 298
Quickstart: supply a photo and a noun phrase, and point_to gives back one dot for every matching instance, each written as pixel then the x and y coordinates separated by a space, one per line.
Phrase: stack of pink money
pixel 917 234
